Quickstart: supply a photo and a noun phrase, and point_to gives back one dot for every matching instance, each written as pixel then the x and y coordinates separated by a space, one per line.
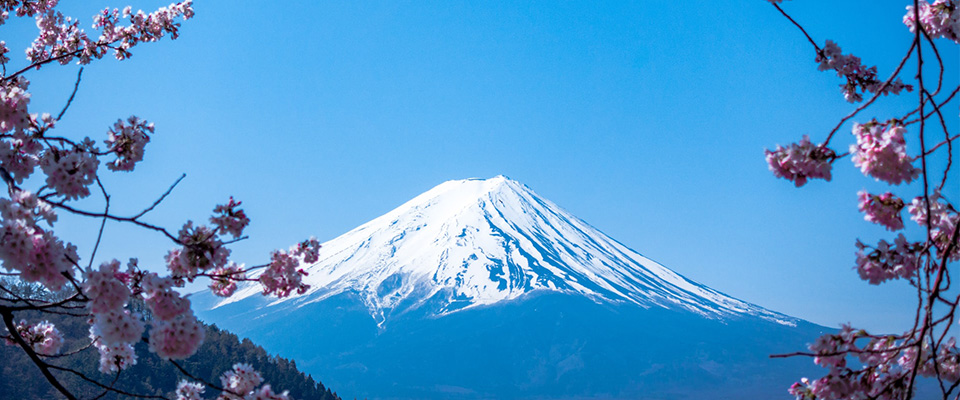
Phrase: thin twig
pixel 76 85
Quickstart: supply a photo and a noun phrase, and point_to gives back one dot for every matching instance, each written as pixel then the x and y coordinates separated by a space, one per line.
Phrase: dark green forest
pixel 20 379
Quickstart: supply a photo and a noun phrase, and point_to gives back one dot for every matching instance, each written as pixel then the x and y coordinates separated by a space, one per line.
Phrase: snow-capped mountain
pixel 481 289
pixel 475 242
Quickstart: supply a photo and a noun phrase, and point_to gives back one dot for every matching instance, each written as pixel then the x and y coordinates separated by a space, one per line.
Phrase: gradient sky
pixel 646 119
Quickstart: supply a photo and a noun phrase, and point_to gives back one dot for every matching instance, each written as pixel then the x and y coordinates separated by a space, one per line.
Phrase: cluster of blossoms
pixel 801 161
pixel 940 19
pixel 71 167
pixel 14 100
pixel 127 141
pixel 886 261
pixel 24 8
pixel 43 337
pixel 881 152
pixel 36 254
pixel 115 329
pixel 229 219
pixel 143 27
pixel 860 79
pixel 224 279
pixel 886 367
pixel 943 221
pixel 883 209
pixel 70 172
pixel 62 39
pixel 239 383
pixel 202 250
pixel 283 274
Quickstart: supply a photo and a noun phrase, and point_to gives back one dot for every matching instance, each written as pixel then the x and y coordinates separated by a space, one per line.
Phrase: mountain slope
pixel 475 242
pixel 481 289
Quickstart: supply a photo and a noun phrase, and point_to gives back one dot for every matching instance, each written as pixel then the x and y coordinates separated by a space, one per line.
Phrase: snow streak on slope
pixel 476 242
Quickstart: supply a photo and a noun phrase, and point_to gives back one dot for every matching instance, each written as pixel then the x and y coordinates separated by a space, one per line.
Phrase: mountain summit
pixel 475 242
pixel 481 289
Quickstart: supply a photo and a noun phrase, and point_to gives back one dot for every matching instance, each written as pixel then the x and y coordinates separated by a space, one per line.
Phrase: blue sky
pixel 646 119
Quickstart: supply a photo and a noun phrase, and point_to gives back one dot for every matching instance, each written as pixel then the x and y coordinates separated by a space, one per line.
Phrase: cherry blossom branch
pixel 914 45
pixel 943 103
pixel 131 220
pixel 76 86
pixel 7 316
pixel 162 197
pixel 102 386
pixel 103 222
pixel 814 43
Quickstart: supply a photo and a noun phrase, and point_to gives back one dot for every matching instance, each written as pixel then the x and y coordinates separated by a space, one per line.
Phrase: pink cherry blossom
pixel 36 254
pixel 943 222
pixel 43 337
pixel 127 141
pixel 940 19
pixel 883 209
pixel 14 99
pixel 105 291
pixel 176 339
pixel 858 76
pixel 70 172
pixel 223 281
pixel 266 393
pixel 190 391
pixel 117 326
pixel 229 219
pixel 886 261
pixel 283 275
pixel 800 161
pixel 881 152
pixel 202 250
pixel 167 304
pixel 309 249
pixel 115 357
pixel 240 381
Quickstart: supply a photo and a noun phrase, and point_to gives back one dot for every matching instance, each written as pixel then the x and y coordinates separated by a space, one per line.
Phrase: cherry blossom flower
pixel 70 172
pixel 223 281
pixel 943 222
pixel 858 76
pixel 117 326
pixel 189 391
pixel 105 291
pixel 229 219
pixel 167 304
pixel 178 338
pixel 127 141
pixel 883 209
pixel 240 380
pixel 115 357
pixel 283 275
pixel 266 393
pixel 801 161
pixel 13 105
pixel 37 255
pixel 309 249
pixel 43 337
pixel 885 262
pixel 940 19
pixel 201 251
pixel 881 152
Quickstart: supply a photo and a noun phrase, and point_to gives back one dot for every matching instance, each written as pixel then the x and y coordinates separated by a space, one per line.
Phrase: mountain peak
pixel 474 242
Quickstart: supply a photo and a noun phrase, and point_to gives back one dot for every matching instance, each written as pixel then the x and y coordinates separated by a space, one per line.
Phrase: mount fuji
pixel 482 289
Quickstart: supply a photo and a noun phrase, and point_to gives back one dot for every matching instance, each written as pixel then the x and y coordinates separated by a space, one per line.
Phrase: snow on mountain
pixel 474 242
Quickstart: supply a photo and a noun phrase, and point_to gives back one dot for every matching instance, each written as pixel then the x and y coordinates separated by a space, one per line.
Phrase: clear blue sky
pixel 646 119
